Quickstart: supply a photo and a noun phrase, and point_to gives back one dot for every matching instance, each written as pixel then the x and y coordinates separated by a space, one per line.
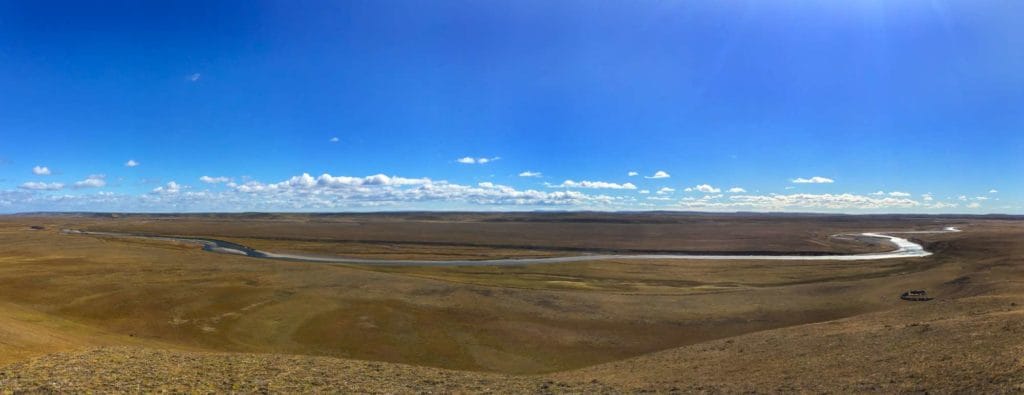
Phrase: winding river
pixel 904 249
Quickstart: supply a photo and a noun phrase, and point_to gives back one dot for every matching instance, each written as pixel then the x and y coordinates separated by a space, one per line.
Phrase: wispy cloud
pixel 42 186
pixel 803 201
pixel 665 191
pixel 169 188
pixel 131 163
pixel 468 160
pixel 659 174
pixel 703 188
pixel 41 171
pixel 334 139
pixel 194 77
pixel 813 180
pixel 214 180
pixel 689 200
pixel 93 181
pixel 737 190
pixel 594 185
pixel 530 174
pixel 632 174
pixel 993 191
pixel 899 194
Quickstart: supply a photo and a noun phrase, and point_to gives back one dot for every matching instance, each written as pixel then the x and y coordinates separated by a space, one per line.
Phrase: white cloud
pixel 327 181
pixel 962 198
pixel 381 192
pixel 703 188
pixel 801 201
pixel 974 205
pixel 689 200
pixel 595 185
pixel 41 171
pixel 644 191
pixel 93 181
pixel 878 193
pixel 171 188
pixel 131 163
pixel 927 197
pixel 632 174
pixel 982 198
pixel 789 187
pixel 899 194
pixel 737 190
pixel 530 174
pixel 194 77
pixel 213 180
pixel 659 174
pixel 813 180
pixel 665 191
pixel 476 161
pixel 376 179
pixel 334 139
pixel 328 191
pixel 993 191
pixel 42 186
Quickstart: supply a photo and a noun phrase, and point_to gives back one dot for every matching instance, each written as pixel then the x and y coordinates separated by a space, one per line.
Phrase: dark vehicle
pixel 917 295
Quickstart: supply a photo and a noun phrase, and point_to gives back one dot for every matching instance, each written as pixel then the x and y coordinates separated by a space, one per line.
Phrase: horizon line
pixel 29 213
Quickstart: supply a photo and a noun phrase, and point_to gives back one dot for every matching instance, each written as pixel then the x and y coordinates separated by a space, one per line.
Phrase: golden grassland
pixel 545 234
pixel 102 303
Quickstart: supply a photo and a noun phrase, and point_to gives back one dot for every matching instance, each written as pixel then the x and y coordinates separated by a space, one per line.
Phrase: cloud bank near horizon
pixel 328 192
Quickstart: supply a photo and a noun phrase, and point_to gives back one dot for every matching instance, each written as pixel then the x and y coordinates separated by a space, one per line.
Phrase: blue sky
pixel 909 106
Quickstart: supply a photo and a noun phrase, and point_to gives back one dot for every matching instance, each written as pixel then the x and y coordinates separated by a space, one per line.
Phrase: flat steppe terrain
pixel 81 312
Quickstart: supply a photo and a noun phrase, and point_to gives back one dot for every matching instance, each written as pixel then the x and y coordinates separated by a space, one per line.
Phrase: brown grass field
pixel 86 313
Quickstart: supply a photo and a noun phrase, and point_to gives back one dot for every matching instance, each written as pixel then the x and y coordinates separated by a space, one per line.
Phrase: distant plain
pixel 580 324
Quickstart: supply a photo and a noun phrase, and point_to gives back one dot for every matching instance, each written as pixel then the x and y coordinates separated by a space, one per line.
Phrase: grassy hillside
pixel 73 306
